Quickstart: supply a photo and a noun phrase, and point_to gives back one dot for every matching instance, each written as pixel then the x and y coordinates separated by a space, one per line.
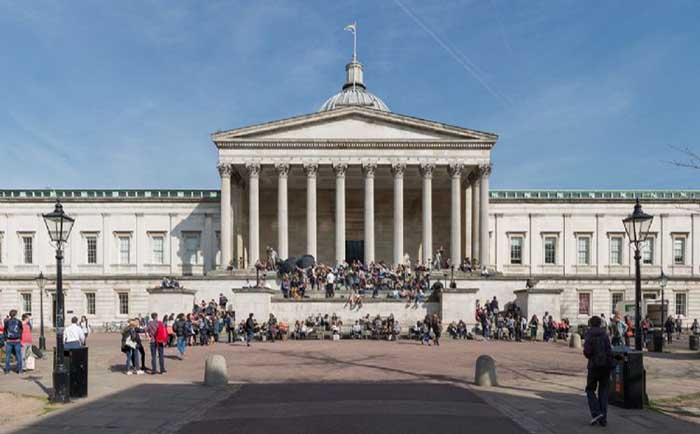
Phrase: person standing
pixel 158 337
pixel 26 342
pixel 436 325
pixel 180 329
pixel 230 324
pixel 598 351
pixel 130 344
pixel 73 336
pixel 249 329
pixel 12 333
pixel 85 327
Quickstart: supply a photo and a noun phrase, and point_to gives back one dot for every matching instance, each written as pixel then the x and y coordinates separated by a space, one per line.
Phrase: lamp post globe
pixel 59 226
pixel 637 227
pixel 41 283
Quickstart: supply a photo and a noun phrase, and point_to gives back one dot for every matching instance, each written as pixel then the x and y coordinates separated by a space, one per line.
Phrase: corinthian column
pixel 282 211
pixel 484 256
pixel 368 170
pixel 253 213
pixel 455 171
pixel 225 171
pixel 398 170
pixel 426 171
pixel 475 180
pixel 311 228
pixel 340 170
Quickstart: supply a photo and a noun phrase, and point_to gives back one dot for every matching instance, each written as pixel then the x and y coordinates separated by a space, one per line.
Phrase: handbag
pixel 31 363
pixel 130 342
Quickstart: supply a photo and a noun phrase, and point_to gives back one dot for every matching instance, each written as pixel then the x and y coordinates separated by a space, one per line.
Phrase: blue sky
pixel 125 94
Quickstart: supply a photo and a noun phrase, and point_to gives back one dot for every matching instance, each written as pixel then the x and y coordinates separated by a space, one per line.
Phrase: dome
pixel 354 92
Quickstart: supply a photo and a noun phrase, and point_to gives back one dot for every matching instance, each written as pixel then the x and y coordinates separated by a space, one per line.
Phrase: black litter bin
pixel 76 362
pixel 657 341
pixel 694 342
pixel 627 379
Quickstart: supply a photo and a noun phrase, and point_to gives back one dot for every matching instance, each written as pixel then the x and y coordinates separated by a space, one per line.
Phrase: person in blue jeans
pixel 12 335
pixel 598 351
pixel 180 329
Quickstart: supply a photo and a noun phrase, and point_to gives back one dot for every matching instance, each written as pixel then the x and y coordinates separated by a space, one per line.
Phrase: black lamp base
pixel 60 388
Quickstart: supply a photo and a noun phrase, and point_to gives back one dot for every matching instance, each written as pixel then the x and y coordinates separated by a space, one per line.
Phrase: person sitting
pixel 356 330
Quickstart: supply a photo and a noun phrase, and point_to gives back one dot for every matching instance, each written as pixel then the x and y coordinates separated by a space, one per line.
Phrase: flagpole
pixel 354 53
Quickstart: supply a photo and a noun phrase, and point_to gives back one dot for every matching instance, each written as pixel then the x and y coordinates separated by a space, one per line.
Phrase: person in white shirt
pixel 73 336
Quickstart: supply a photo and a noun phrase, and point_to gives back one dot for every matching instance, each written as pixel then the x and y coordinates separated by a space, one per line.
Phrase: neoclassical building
pixel 351 181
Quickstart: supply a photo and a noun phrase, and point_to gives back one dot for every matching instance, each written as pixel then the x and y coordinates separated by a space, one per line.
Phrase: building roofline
pixel 189 195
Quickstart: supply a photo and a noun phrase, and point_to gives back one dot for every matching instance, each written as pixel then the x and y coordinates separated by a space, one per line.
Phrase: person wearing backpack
pixel 180 329
pixel 598 351
pixel 12 334
pixel 158 336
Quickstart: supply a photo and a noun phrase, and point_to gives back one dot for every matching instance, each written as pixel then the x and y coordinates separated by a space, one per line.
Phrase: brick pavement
pixel 537 378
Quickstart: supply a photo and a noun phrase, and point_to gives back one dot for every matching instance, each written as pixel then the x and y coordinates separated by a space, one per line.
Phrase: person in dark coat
pixel 436 325
pixel 598 351
pixel 249 329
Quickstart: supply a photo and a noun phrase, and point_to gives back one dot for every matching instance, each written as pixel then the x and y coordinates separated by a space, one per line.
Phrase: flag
pixel 351 27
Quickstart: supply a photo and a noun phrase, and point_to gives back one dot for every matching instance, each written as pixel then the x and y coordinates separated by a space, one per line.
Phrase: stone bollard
pixel 575 341
pixel 485 372
pixel 215 370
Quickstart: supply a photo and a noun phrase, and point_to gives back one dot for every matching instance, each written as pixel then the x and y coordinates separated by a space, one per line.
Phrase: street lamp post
pixel 637 227
pixel 59 225
pixel 41 283
pixel 663 281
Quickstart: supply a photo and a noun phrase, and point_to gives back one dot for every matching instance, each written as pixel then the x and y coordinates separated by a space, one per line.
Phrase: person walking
pixel 598 351
pixel 12 335
pixel 436 325
pixel 249 329
pixel 158 337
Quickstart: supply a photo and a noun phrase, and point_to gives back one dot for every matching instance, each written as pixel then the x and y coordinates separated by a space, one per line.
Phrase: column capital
pixel 398 169
pixel 455 170
pixel 225 170
pixel 368 169
pixel 253 169
pixel 340 169
pixel 311 169
pixel 474 176
pixel 282 169
pixel 426 170
pixel 485 170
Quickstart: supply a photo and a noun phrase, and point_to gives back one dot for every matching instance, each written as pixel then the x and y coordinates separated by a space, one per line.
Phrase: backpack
pixel 13 329
pixel 600 357
pixel 161 333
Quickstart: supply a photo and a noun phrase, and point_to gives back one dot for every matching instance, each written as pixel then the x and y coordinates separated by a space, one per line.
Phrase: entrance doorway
pixel 355 250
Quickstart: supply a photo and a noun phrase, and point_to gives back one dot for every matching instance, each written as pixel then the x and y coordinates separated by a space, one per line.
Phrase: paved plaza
pixel 347 386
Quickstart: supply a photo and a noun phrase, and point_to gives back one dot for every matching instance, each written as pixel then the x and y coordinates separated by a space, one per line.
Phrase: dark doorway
pixel 355 250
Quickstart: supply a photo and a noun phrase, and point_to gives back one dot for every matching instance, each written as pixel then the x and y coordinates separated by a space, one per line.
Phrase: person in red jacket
pixel 159 337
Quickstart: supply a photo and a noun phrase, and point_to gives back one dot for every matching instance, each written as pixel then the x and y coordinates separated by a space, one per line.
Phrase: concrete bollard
pixel 485 372
pixel 215 370
pixel 575 341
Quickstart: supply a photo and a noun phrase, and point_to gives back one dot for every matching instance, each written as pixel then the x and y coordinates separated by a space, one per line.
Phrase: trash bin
pixel 76 362
pixel 657 341
pixel 627 388
pixel 694 342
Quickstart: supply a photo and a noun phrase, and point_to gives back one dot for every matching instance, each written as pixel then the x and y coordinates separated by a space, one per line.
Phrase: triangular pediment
pixel 353 123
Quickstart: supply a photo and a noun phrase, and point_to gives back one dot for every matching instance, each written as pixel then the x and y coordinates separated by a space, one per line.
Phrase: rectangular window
pixel 123 303
pixel 648 251
pixel 681 303
pixel 516 250
pixel 584 303
pixel 158 249
pixel 26 302
pixel 91 248
pixel 90 303
pixel 679 251
pixel 28 249
pixel 124 249
pixel 616 298
pixel 584 250
pixel 616 251
pixel 550 250
pixel 192 249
